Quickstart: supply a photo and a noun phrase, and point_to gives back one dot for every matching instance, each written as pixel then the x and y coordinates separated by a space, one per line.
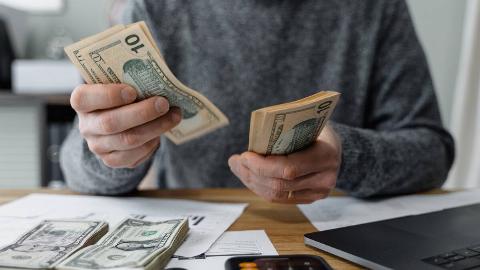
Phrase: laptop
pixel 447 239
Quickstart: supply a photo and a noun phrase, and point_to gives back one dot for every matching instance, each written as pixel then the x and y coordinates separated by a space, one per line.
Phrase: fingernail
pixel 128 94
pixel 161 105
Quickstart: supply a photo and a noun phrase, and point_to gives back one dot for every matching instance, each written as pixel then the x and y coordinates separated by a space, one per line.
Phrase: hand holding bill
pixel 309 174
pixel 122 133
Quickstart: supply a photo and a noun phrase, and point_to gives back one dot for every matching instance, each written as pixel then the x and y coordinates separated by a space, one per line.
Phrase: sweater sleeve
pixel 86 173
pixel 402 146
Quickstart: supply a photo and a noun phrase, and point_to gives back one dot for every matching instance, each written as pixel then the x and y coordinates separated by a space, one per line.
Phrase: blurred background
pixel 35 80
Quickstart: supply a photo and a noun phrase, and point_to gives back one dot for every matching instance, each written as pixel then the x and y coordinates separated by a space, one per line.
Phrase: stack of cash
pixel 134 243
pixel 286 128
pixel 128 54
pixel 46 245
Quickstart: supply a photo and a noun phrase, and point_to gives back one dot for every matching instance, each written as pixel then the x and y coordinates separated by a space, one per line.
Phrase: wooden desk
pixel 284 224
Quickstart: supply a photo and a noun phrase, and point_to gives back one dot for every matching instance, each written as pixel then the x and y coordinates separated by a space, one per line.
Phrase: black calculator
pixel 282 262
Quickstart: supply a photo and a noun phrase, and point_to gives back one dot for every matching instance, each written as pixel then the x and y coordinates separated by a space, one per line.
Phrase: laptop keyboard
pixel 461 259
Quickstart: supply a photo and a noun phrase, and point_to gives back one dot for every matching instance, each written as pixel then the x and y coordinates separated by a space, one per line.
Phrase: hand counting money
pixel 128 54
pixel 286 128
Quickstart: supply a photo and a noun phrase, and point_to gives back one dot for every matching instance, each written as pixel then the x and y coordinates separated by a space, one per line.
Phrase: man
pixel 385 137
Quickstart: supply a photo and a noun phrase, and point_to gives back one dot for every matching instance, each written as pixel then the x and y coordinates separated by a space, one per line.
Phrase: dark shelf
pixel 60 113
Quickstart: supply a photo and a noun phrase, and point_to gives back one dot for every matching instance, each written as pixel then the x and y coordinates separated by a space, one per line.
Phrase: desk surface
pixel 284 224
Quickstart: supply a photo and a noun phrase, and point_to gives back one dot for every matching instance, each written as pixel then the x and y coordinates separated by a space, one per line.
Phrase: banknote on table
pixel 128 54
pixel 134 243
pixel 289 127
pixel 50 242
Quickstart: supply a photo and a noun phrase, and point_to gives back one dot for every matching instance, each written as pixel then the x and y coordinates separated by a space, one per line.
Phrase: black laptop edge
pixel 343 254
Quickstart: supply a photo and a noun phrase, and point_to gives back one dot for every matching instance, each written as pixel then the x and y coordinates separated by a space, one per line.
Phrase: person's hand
pixel 308 175
pixel 122 133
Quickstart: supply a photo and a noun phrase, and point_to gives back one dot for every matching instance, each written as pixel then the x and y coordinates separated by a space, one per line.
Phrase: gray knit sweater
pixel 248 54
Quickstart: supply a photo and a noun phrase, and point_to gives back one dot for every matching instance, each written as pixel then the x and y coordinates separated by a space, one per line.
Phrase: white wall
pixel 80 18
pixel 439 25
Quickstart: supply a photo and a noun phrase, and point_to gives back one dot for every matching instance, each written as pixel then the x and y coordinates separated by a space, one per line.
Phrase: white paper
pixel 337 212
pixel 207 221
pixel 230 244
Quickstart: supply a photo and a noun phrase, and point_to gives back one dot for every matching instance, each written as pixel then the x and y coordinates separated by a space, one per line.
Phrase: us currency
pixel 128 54
pixel 73 52
pixel 50 242
pixel 133 244
pixel 286 128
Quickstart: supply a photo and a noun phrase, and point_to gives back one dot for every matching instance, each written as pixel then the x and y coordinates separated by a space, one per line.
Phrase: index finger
pixel 87 98
pixel 282 167
pixel 269 166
